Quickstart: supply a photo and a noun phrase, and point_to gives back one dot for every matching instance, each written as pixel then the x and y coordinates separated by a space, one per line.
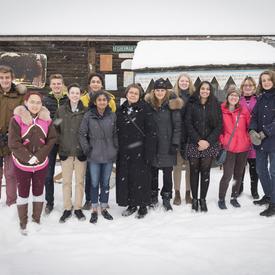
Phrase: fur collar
pixel 26 116
pixel 174 103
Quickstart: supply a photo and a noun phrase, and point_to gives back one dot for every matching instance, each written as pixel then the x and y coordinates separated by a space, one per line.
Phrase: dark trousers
pixel 265 164
pixel 49 181
pixel 253 176
pixel 233 166
pixel 26 180
pixel 167 180
pixel 88 183
pixel 200 167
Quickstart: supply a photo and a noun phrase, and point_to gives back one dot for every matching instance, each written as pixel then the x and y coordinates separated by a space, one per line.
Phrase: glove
pixel 57 122
pixel 173 149
pixel 255 137
pixel 262 135
pixel 33 160
pixel 3 139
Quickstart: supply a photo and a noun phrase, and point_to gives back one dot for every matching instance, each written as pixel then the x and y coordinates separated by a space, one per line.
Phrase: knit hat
pixel 162 84
pixel 233 89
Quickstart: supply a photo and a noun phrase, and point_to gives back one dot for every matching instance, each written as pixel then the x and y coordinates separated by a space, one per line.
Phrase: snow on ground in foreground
pixel 235 241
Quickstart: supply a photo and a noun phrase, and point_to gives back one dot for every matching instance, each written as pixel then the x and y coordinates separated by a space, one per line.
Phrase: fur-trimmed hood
pixel 26 116
pixel 174 102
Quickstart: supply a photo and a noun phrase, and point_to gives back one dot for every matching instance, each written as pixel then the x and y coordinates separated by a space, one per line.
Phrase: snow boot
pixel 23 217
pixel 48 209
pixel 142 212
pixel 222 205
pixel 195 205
pixel 234 202
pixel 203 205
pixel 254 191
pixel 129 211
pixel 154 198
pixel 270 211
pixel 37 207
pixel 177 199
pixel 166 197
pixel 188 199
pixel 262 201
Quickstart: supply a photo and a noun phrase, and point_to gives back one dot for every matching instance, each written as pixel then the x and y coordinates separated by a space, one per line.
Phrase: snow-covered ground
pixel 235 241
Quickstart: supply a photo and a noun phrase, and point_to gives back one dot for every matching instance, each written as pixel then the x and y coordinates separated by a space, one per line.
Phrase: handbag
pixel 221 157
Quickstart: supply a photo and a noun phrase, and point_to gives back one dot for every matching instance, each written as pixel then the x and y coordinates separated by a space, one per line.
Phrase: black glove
pixel 82 158
pixel 3 139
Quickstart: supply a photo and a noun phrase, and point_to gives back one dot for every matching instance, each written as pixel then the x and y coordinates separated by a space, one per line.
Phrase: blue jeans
pixel 101 173
pixel 266 176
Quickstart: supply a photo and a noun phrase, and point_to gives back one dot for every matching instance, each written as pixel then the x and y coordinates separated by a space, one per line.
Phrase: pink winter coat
pixel 250 106
pixel 240 141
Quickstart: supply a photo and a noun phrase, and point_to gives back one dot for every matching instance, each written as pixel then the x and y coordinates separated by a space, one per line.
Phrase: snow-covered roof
pixel 137 17
pixel 175 53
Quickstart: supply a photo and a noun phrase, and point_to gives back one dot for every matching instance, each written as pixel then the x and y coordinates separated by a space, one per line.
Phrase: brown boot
pixel 188 198
pixel 23 216
pixel 37 207
pixel 177 199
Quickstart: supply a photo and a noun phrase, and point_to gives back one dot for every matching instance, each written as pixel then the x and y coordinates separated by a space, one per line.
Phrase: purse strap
pixel 138 128
pixel 234 130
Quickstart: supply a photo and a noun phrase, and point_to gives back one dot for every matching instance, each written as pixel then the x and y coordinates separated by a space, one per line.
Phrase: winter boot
pixel 154 198
pixel 270 211
pixel 188 199
pixel 142 212
pixel 262 201
pixel 166 197
pixel 129 211
pixel 37 207
pixel 177 199
pixel 203 205
pixel 241 189
pixel 222 205
pixel 195 205
pixel 48 209
pixel 234 202
pixel 23 217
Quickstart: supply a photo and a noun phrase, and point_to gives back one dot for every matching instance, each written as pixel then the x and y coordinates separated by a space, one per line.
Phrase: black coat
pixel 203 121
pixel 168 121
pixel 137 145
pixel 263 119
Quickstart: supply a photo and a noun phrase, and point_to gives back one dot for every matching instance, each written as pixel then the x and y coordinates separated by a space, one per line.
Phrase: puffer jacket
pixel 240 141
pixel 30 137
pixel 98 136
pixel 67 129
pixel 8 101
pixel 168 122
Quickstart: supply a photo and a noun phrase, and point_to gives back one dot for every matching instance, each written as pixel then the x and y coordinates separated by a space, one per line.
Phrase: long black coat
pixel 168 121
pixel 136 150
pixel 200 122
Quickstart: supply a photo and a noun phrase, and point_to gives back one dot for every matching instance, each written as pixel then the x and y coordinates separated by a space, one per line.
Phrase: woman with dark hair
pixel 262 133
pixel 31 137
pixel 204 122
pixel 98 140
pixel 166 108
pixel 235 140
pixel 137 140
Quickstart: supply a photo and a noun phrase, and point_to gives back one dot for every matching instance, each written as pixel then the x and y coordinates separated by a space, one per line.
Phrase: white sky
pixel 137 17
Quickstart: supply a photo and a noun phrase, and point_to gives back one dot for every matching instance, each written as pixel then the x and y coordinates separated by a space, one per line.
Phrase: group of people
pixel 164 129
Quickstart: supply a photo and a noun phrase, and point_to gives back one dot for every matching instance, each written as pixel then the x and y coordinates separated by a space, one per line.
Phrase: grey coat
pixel 168 121
pixel 98 137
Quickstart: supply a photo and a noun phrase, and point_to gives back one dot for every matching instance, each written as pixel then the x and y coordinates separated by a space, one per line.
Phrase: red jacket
pixel 240 141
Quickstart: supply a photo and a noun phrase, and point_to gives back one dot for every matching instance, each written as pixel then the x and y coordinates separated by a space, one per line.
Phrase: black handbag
pixel 221 157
